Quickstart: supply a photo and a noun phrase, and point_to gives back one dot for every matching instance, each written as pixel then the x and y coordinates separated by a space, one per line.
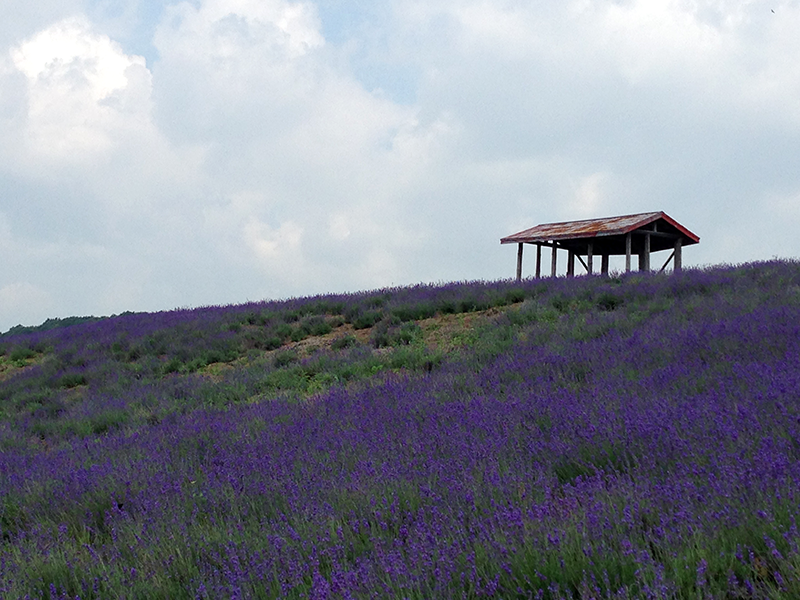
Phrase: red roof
pixel 592 228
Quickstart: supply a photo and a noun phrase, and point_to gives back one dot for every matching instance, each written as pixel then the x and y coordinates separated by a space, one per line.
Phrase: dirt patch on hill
pixel 313 344
pixel 449 332
pixel 440 333
pixel 9 368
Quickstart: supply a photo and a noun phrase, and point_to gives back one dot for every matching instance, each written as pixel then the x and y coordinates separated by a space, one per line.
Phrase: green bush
pixel 272 343
pixel 291 316
pixel 414 312
pixel 346 341
pixel 446 307
pixel 561 304
pixel 108 421
pixel 415 359
pixel 351 313
pixel 471 304
pixel 21 353
pixel 311 326
pixel 259 319
pixel 386 333
pixel 376 301
pixel 29 400
pixel 407 333
pixel 324 307
pixel 515 295
pixel 283 331
pixel 72 380
pixel 367 319
pixel 609 302
pixel 267 339
pixel 173 365
pixel 283 359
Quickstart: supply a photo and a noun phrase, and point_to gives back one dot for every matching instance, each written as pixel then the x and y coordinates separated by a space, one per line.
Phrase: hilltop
pixel 622 437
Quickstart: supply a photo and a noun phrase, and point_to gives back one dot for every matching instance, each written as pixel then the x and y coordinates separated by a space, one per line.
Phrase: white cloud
pixel 590 198
pixel 278 248
pixel 292 138
pixel 240 65
pixel 83 91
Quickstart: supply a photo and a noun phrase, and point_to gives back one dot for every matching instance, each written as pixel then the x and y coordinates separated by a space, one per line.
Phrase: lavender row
pixel 138 356
pixel 651 452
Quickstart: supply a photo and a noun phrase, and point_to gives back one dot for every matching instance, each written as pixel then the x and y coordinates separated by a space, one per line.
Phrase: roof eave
pixel 524 237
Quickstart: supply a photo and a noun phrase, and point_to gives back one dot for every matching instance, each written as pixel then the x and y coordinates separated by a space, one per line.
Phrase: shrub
pixel 346 341
pixel 414 312
pixel 515 295
pixel 561 304
pixel 72 380
pixel 367 319
pixel 471 304
pixel 107 421
pixel 313 325
pixel 283 331
pixel 407 333
pixel 415 359
pixel 260 319
pixel 272 343
pixel 387 333
pixel 351 313
pixel 324 307
pixel 173 365
pixel 283 359
pixel 21 353
pixel 291 316
pixel 446 306
pixel 609 302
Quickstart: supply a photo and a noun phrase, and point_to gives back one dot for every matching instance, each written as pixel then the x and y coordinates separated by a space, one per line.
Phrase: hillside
pixel 625 437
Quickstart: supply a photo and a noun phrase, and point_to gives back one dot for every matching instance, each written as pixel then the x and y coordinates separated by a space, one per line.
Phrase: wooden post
pixel 628 253
pixel 519 261
pixel 604 265
pixel 571 264
pixel 553 261
pixel 644 255
pixel 589 252
pixel 666 262
pixel 676 260
pixel 538 261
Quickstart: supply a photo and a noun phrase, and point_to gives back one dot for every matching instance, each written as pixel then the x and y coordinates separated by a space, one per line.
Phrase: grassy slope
pixel 104 384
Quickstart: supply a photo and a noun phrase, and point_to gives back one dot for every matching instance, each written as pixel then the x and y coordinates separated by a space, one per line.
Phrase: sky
pixel 158 154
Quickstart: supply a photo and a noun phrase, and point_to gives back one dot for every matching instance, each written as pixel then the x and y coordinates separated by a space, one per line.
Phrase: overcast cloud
pixel 157 154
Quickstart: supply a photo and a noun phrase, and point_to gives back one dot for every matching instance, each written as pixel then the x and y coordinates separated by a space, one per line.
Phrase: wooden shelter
pixel 640 234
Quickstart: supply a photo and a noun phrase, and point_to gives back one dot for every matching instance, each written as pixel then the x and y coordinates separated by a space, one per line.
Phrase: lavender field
pixel 628 437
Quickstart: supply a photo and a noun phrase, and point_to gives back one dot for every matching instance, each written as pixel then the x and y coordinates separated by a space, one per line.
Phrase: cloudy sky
pixel 158 154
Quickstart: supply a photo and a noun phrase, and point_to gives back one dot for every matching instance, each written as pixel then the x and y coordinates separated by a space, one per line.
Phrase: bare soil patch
pixel 10 368
pixel 442 332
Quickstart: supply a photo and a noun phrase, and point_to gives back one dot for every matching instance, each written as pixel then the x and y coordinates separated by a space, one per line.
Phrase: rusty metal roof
pixel 590 228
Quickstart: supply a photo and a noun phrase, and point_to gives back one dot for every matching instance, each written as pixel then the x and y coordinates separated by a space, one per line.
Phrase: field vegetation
pixel 633 436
